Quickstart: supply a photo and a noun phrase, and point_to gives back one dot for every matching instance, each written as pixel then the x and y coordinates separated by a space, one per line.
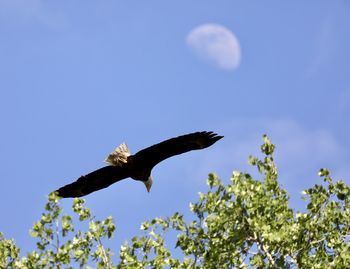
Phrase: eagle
pixel 138 166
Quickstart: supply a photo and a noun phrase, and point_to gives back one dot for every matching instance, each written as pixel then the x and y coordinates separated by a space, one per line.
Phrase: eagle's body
pixel 137 166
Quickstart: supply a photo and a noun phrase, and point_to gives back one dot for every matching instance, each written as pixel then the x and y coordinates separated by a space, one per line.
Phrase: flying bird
pixel 138 166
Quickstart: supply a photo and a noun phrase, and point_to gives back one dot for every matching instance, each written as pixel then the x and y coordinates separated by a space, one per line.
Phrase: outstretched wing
pixel 153 155
pixel 94 181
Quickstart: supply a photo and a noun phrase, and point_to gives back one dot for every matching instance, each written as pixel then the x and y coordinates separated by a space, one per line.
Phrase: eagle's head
pixel 148 183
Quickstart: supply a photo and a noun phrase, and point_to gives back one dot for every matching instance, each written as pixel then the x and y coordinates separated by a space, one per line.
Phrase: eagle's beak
pixel 148 183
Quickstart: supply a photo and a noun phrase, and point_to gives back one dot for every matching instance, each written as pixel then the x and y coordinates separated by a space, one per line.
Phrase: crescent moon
pixel 215 44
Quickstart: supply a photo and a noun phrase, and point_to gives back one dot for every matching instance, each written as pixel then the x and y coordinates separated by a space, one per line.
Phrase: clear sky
pixel 77 78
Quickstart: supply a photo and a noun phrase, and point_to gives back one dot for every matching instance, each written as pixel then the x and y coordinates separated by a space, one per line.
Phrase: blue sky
pixel 77 78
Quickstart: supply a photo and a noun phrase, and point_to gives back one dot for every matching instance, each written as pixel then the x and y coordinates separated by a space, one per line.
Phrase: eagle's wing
pixel 151 156
pixel 94 181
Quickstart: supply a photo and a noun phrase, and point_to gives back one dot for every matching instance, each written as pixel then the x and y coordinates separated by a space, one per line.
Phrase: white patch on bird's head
pixel 119 156
pixel 148 183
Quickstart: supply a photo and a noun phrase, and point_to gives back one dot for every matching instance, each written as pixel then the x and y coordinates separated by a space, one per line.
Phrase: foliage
pixel 247 223
pixel 56 248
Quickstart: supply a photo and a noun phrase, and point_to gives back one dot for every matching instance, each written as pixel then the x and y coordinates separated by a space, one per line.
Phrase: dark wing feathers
pixel 94 181
pixel 151 156
pixel 143 160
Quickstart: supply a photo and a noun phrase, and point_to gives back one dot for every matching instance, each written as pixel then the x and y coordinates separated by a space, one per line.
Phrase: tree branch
pixel 262 248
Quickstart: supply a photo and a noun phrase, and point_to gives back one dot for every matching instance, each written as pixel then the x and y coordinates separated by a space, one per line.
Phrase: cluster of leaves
pixel 243 224
pixel 56 246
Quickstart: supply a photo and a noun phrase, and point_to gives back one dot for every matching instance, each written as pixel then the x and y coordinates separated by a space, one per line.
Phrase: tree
pixel 246 223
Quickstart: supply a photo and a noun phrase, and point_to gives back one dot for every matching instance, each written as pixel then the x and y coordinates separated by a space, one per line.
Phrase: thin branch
pixel 104 254
pixel 263 249
pixel 57 236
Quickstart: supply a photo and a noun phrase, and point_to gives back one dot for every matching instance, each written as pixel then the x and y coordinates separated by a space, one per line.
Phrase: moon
pixel 215 44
